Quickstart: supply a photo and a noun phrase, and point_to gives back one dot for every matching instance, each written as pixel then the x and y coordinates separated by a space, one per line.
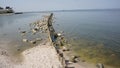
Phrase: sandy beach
pixel 41 56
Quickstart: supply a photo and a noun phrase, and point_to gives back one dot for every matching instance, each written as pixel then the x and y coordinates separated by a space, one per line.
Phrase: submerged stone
pixel 38 39
pixel 23 32
pixel 33 42
pixel 25 40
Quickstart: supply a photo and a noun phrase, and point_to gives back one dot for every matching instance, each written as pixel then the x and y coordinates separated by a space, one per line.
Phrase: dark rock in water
pixel 33 42
pixel 36 29
pixel 75 59
pixel 76 56
pixel 33 30
pixel 66 49
pixel 23 32
pixel 55 35
pixel 100 65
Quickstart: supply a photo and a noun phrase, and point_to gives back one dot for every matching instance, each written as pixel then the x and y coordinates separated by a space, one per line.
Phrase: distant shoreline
pixel 72 10
pixel 11 13
pixel 7 14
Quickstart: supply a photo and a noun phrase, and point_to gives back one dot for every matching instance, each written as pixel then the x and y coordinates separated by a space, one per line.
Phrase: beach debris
pixel 25 40
pixel 100 65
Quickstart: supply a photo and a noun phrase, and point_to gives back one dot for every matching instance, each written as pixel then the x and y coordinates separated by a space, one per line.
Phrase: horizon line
pixel 75 10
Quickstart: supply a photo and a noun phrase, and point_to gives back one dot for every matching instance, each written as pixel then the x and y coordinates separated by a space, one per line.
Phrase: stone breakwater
pixel 51 53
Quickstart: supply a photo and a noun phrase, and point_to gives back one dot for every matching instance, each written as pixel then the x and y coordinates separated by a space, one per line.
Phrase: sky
pixel 44 5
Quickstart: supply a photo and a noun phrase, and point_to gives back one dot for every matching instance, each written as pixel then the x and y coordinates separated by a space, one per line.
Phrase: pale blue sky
pixel 43 5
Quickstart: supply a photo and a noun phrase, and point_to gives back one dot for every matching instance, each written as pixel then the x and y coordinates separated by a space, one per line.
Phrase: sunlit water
pixel 94 35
